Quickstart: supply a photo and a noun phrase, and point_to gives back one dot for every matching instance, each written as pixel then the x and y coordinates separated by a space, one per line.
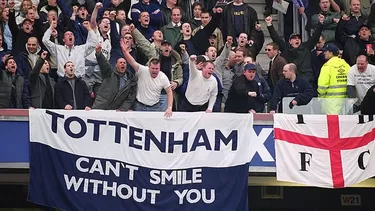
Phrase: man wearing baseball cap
pixel 332 80
pixel 243 92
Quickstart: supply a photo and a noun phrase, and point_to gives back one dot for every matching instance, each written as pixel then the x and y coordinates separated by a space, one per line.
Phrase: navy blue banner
pixel 70 182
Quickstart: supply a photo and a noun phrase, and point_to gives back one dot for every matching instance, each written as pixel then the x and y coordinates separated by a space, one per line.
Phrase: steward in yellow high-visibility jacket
pixel 332 81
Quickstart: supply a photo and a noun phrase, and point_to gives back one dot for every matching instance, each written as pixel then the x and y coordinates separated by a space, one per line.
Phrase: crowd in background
pixel 185 55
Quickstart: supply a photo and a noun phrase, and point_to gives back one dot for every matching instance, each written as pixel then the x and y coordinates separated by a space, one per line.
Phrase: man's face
pixel 364 33
pixel 125 30
pixel 287 73
pixel 197 11
pixel 11 66
pixel 320 43
pixel 165 49
pixel 5 14
pixel 145 1
pixel 121 16
pixel 208 70
pixel 106 14
pixel 45 67
pixel 26 5
pixel 3 4
pixel 69 69
pixel 295 42
pixel 176 15
pixel 355 6
pixel 324 5
pixel 30 14
pixel 27 27
pixel 270 51
pixel 327 55
pixel 128 37
pixel 186 29
pixel 82 13
pixel 104 25
pixel 52 16
pixel 211 53
pixel 32 45
pixel 242 40
pixel 144 19
pixel 205 18
pixel 248 60
pixel 249 74
pixel 231 59
pixel 158 35
pixel 154 70
pixel 68 38
pixel 239 57
pixel 362 64
pixel 121 65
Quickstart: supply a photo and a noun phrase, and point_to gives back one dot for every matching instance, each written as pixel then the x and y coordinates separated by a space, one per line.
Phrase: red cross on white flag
pixel 324 150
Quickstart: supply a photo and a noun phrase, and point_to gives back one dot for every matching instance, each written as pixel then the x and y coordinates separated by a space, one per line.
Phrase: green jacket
pixel 151 51
pixel 109 97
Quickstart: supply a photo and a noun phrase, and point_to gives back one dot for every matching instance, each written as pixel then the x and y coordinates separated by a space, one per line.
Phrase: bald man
pixel 291 86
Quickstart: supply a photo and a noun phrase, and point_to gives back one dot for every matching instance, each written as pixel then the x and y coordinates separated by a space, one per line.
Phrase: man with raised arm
pixel 69 51
pixel 150 83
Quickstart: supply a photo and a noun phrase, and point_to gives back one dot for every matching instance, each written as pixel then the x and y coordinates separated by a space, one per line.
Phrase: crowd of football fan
pixel 186 55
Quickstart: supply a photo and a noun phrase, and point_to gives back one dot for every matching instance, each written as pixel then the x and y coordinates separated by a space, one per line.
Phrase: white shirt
pixel 199 89
pixel 106 49
pixel 77 54
pixel 362 81
pixel 149 89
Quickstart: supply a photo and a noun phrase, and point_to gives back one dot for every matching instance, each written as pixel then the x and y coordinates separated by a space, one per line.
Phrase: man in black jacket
pixel 119 87
pixel 71 93
pixel 291 86
pixel 244 90
pixel 41 85
pixel 13 92
pixel 296 51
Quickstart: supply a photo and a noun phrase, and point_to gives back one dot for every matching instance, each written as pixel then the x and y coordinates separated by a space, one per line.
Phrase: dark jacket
pixel 264 94
pixel 20 37
pixel 238 99
pixel 250 19
pixel 300 56
pixel 200 39
pixel 275 72
pixel 64 94
pixel 20 97
pixel 109 96
pixel 38 85
pixel 367 105
pixel 300 89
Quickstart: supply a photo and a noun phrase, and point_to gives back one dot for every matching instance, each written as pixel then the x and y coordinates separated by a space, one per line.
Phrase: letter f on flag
pixel 325 151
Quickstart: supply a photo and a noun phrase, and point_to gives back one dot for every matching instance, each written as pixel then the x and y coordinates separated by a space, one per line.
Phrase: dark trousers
pixel 188 107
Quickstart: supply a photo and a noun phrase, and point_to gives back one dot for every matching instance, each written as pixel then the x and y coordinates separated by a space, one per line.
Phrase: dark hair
pixel 244 51
pixel 198 4
pixel 68 63
pixel 205 12
pixel 8 59
pixel 274 45
pixel 177 7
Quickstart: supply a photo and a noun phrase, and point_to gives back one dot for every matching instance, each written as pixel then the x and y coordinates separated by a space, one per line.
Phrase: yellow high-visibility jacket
pixel 332 85
pixel 332 78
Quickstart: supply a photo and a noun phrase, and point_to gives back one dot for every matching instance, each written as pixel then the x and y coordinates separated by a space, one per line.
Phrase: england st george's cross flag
pixel 328 151
pixel 108 160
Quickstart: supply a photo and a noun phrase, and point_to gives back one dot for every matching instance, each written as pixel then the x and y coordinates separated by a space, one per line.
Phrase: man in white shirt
pixel 361 77
pixel 201 91
pixel 69 51
pixel 151 81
